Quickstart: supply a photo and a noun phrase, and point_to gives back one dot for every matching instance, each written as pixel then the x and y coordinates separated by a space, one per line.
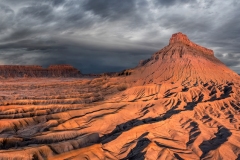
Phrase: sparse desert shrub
pixel 122 87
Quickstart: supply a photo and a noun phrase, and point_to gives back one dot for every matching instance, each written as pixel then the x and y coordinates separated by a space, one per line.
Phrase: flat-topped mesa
pixel 2 67
pixel 182 38
pixel 11 71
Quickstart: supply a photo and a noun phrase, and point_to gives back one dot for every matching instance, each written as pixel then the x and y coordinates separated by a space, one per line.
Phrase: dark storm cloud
pixel 18 34
pixel 80 57
pixel 129 13
pixel 173 2
pixel 36 12
pixel 58 2
pixel 5 9
pixel 230 59
pixel 226 34
pixel 186 24
pixel 111 35
pixel 7 17
pixel 111 9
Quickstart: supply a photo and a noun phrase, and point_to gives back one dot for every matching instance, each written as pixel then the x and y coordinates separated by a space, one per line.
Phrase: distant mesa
pixel 12 71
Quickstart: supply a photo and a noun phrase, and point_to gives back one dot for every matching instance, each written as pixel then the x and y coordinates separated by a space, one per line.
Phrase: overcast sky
pixel 111 35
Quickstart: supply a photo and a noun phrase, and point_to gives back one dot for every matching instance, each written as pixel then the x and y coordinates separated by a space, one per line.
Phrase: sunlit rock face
pixel 182 103
pixel 182 38
pixel 183 61
pixel 11 71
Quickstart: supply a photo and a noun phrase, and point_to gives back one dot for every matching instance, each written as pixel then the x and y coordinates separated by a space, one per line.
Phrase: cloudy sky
pixel 111 35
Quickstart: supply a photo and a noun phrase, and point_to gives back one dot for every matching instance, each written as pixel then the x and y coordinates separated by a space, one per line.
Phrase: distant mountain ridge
pixel 11 71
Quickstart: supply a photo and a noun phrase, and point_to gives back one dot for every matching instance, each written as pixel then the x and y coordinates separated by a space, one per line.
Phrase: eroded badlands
pixel 182 103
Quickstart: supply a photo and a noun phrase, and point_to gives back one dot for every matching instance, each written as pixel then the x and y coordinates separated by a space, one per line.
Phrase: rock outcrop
pixel 182 61
pixel 11 71
pixel 182 38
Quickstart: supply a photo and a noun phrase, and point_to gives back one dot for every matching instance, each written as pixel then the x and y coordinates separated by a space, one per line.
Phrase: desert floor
pixel 108 118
